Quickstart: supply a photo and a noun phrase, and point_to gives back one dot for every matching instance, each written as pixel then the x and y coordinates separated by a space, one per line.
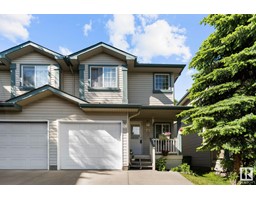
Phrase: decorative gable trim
pixel 43 89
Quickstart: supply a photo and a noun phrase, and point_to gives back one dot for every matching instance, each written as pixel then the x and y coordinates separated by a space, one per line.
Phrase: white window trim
pixel 31 65
pixel 115 67
pixel 169 81
pixel 161 127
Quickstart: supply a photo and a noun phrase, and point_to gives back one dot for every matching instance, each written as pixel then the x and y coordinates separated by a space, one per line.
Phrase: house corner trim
pixel 13 79
pixel 81 81
pixel 125 83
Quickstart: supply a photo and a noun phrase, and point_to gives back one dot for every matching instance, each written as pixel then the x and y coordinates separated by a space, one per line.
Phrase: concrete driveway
pixel 90 177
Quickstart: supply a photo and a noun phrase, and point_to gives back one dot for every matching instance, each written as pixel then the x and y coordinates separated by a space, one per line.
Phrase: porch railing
pixel 170 146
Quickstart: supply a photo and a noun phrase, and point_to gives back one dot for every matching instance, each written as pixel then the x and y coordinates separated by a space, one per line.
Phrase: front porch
pixel 170 149
pixel 145 141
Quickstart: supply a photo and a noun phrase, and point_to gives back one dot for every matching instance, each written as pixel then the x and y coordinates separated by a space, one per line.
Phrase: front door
pixel 136 139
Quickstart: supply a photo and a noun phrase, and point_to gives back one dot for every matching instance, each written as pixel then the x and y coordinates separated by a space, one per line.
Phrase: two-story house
pixel 88 110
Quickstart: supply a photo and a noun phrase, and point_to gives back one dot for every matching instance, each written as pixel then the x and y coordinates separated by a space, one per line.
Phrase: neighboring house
pixel 192 141
pixel 86 110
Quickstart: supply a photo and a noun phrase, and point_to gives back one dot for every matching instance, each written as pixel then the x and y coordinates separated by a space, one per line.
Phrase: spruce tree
pixel 223 94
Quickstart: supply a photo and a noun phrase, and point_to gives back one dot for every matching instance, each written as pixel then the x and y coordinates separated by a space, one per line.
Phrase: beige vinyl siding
pixel 36 58
pixel 5 85
pixel 104 97
pixel 140 90
pixel 189 145
pixel 70 83
pixel 53 108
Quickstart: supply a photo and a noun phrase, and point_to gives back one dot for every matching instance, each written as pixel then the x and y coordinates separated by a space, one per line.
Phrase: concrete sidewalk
pixel 90 177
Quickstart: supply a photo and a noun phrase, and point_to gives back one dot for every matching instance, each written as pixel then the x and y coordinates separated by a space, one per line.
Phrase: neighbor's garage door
pixel 90 146
pixel 23 145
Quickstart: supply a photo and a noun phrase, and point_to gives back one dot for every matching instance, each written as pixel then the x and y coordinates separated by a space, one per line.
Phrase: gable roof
pixel 41 92
pixel 100 47
pixel 184 100
pixel 72 61
pixel 25 48
pixel 176 69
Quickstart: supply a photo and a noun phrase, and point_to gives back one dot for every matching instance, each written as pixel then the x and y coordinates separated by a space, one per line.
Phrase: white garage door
pixel 23 145
pixel 90 146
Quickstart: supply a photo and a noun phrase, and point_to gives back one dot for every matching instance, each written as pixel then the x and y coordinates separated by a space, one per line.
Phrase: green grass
pixel 206 178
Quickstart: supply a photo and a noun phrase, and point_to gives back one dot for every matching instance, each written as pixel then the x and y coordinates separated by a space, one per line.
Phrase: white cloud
pixel 160 39
pixel 65 51
pixel 119 28
pixel 145 19
pixel 14 27
pixel 148 37
pixel 87 28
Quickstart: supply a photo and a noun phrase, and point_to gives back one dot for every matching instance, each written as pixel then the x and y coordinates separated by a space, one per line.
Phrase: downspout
pixel 70 68
pixel 136 114
pixel 69 64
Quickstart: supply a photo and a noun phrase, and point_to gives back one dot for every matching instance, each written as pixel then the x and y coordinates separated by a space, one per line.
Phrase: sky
pixel 155 38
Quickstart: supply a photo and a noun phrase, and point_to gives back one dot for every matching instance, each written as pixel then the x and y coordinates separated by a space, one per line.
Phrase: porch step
pixel 141 162
pixel 142 157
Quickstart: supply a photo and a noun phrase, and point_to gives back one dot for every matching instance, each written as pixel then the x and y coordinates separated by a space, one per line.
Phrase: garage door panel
pixel 38 139
pixel 3 163
pixel 37 128
pixel 89 163
pixel 18 163
pixel 4 152
pixel 18 139
pixel 4 140
pixel 90 146
pixel 78 151
pixel 18 152
pixel 12 128
pixel 38 163
pixel 90 137
pixel 37 151
pixel 23 146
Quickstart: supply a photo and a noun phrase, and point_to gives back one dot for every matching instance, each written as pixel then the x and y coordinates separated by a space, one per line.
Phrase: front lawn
pixel 206 178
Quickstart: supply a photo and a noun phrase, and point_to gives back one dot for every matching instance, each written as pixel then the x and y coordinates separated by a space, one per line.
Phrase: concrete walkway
pixel 78 177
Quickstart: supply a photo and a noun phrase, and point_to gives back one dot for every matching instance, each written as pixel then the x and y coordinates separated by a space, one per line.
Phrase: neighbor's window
pixel 34 76
pixel 161 128
pixel 162 82
pixel 103 77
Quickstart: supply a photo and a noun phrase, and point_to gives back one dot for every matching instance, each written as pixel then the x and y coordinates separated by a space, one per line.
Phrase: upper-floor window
pixel 103 77
pixel 34 76
pixel 162 82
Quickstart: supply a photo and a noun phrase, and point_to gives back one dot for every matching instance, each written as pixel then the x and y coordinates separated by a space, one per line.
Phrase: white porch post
pixel 153 158
pixel 152 153
pixel 179 137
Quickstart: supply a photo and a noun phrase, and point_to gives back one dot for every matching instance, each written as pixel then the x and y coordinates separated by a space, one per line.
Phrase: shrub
pixel 187 159
pixel 183 168
pixel 161 164
pixel 233 177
